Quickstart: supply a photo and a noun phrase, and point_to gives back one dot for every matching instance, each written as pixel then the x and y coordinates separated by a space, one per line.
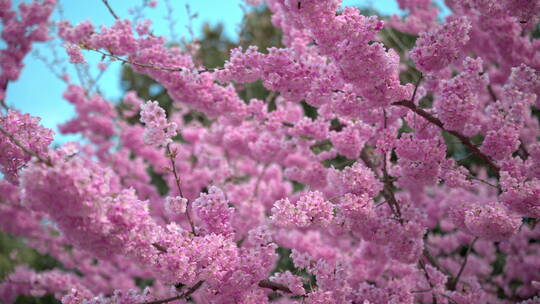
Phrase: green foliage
pixel 214 46
pixel 143 283
pixel 498 264
pixel 536 32
pixel 46 299
pixel 257 29
pixel 158 181
pixel 13 251
pixel 339 162
pixel 285 263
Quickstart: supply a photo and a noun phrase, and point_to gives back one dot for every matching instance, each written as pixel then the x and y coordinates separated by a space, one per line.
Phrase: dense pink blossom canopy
pixel 258 209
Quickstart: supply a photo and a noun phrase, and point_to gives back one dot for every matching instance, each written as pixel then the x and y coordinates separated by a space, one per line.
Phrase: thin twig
pixel 388 192
pixel 259 178
pixel 18 282
pixel 106 2
pixel 431 259
pixel 387 180
pixel 151 66
pixel 182 296
pixel 428 279
pixel 452 300
pixel 394 38
pixel 172 157
pixel 492 93
pixel 453 283
pixel 416 87
pixel 2 102
pixel 483 181
pixel 143 65
pixel 263 284
pixel 464 139
pixel 274 286
pixel 421 290
pixel 25 149
pixel 371 160
pixel 434 120
pixel 171 20
pixel 94 81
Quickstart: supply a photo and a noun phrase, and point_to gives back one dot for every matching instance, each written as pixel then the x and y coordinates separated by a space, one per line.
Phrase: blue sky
pixel 39 92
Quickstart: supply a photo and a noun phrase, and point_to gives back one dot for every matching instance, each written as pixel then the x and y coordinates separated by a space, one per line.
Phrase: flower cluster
pixel 158 130
pixel 21 138
pixel 19 30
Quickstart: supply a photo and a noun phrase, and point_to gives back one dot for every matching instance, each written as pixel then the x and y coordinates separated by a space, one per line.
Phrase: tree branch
pixel 263 284
pixel 143 65
pixel 172 157
pixel 428 279
pixel 464 139
pixel 25 149
pixel 431 259
pixel 150 66
pixel 2 102
pixel 453 283
pixel 106 2
pixel 416 87
pixel 258 181
pixel 388 192
pixel 274 286
pixel 182 296
pixel 388 188
pixel 492 93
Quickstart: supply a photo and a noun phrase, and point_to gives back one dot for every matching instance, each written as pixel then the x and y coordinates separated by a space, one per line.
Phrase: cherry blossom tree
pixel 372 172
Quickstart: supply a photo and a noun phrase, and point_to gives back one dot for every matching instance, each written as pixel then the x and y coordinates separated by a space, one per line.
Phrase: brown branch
pixel 453 283
pixel 492 93
pixel 370 158
pixel 106 2
pixel 159 247
pixel 464 139
pixel 172 157
pixel 434 120
pixel 449 298
pixel 25 149
pixel 388 192
pixel 143 65
pixel 182 296
pixel 427 254
pixel 523 150
pixel 2 102
pixel 483 181
pixel 428 279
pixel 388 188
pixel 263 284
pixel 421 290
pixel 258 181
pixel 4 105
pixel 388 181
pixel 274 286
pixel 416 87
pixel 150 66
